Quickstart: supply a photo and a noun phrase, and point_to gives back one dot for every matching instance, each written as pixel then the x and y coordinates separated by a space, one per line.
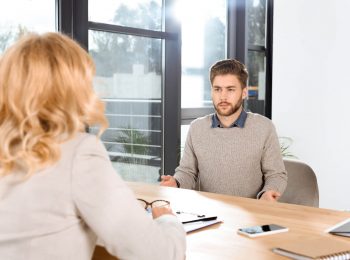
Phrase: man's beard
pixel 231 111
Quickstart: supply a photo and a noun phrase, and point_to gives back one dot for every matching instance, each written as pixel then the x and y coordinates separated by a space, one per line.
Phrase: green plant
pixel 134 141
pixel 285 144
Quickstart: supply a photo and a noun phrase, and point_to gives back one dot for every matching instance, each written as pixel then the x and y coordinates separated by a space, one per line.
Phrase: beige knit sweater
pixel 235 161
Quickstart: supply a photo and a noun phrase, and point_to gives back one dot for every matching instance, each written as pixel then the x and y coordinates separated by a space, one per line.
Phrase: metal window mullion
pixel 241 31
pixel 258 48
pixel 65 16
pixel 269 57
pixel 231 29
pixel 171 92
pixel 112 28
pixel 72 20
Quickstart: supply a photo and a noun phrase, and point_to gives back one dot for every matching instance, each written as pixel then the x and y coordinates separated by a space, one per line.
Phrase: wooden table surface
pixel 221 241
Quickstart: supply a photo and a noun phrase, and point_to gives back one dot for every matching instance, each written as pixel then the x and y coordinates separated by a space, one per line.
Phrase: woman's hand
pixel 159 211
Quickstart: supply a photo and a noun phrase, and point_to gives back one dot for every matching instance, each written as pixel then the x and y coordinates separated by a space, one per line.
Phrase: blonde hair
pixel 46 97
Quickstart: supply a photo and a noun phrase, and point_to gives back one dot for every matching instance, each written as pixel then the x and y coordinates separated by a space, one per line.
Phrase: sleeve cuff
pixel 177 183
pixel 260 194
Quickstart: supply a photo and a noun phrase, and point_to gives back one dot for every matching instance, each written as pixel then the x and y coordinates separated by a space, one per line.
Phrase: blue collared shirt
pixel 215 122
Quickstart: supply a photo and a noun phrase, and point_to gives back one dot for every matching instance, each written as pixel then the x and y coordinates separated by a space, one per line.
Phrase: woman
pixel 58 189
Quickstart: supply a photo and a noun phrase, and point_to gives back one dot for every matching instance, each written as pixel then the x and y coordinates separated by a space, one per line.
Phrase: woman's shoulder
pixel 79 138
pixel 83 142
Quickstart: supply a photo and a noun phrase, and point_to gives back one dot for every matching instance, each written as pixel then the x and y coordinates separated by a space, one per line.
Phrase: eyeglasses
pixel 153 204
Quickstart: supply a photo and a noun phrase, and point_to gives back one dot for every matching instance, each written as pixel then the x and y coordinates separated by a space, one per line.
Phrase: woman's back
pixel 38 216
pixel 58 212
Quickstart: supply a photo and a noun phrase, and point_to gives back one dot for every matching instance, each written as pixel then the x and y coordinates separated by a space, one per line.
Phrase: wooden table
pixel 221 241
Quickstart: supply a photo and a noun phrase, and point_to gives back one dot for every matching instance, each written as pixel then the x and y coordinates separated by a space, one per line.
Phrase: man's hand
pixel 270 195
pixel 168 181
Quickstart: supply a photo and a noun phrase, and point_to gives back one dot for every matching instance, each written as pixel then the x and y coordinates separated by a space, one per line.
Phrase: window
pixel 136 14
pixel 256 62
pixel 134 49
pixel 203 43
pixel 132 90
pixel 32 16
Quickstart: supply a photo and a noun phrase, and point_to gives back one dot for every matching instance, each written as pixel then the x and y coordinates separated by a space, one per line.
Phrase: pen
pixel 200 219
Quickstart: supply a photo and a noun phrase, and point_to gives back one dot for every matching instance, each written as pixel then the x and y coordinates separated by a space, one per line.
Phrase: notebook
pixel 315 248
pixel 341 229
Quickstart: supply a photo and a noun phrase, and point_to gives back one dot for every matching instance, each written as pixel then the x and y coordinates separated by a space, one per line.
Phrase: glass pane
pixel 136 13
pixel 184 132
pixel 129 79
pixel 256 10
pixel 20 16
pixel 256 86
pixel 203 43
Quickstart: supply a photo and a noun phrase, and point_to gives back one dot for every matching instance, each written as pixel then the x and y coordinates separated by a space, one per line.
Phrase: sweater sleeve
pixel 275 174
pixel 109 208
pixel 187 171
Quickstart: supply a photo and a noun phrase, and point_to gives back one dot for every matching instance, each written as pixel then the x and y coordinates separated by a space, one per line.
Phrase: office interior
pixel 152 59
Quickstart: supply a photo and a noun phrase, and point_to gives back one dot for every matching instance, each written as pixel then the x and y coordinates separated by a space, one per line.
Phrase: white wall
pixel 311 89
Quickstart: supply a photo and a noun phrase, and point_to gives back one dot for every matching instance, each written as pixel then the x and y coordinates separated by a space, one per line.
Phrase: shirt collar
pixel 215 122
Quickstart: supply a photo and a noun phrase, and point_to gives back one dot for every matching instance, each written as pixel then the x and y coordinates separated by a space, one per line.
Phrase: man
pixel 232 151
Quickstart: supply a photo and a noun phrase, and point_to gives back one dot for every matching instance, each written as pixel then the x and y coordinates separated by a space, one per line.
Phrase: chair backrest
pixel 302 188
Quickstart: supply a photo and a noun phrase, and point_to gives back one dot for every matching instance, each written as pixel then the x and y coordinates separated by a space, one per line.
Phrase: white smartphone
pixel 256 231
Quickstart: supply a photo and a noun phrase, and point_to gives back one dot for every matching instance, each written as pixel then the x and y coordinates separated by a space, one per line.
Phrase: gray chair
pixel 302 188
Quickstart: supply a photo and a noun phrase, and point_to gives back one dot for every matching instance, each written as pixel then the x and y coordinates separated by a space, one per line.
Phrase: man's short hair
pixel 229 66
